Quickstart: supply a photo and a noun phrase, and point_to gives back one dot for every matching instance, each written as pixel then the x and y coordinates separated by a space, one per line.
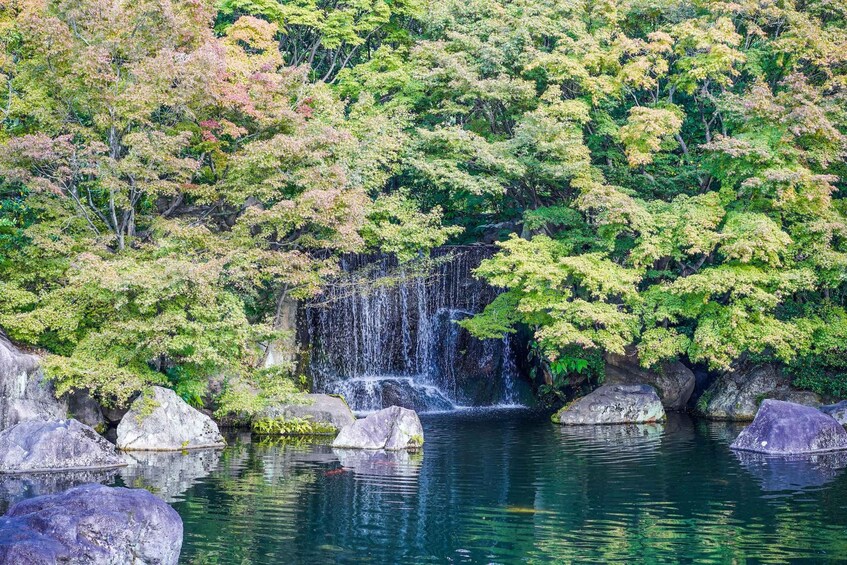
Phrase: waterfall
pixel 385 334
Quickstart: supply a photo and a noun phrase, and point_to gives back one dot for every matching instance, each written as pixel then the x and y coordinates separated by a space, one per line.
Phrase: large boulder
pixel 159 420
pixel 837 411
pixel 391 428
pixel 91 524
pixel 316 408
pixel 672 380
pixel 614 404
pixel 24 392
pixel 736 395
pixel 785 428
pixel 55 445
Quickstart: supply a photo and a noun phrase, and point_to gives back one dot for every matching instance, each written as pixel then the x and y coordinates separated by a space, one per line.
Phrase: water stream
pixel 390 337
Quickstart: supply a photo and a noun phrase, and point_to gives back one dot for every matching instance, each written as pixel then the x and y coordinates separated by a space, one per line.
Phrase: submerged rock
pixel 92 524
pixel 24 393
pixel 837 411
pixel 391 428
pixel 162 421
pixel 55 445
pixel 785 428
pixel 672 380
pixel 736 395
pixel 317 408
pixel 614 404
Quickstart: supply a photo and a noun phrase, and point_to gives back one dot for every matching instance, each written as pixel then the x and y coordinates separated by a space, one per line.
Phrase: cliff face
pixel 24 393
pixel 384 335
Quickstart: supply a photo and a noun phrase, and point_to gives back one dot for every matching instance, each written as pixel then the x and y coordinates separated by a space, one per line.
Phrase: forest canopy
pixel 662 174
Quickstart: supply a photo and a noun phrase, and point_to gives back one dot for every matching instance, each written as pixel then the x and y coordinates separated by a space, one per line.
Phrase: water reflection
pixel 168 474
pixel 793 473
pixel 14 488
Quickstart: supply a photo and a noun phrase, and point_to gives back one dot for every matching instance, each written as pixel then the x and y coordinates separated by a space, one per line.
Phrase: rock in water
pixel 672 380
pixel 736 395
pixel 24 393
pixel 785 428
pixel 318 408
pixel 57 445
pixel 162 421
pixel 390 428
pixel 837 411
pixel 614 404
pixel 93 525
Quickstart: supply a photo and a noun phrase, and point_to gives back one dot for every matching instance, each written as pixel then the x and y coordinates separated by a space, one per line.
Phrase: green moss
pixel 144 406
pixel 416 440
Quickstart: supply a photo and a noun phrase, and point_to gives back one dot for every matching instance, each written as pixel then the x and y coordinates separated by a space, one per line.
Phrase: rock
pixel 736 395
pixel 162 421
pixel 672 380
pixel 614 404
pixel 785 428
pixel 369 393
pixel 93 525
pixel 837 411
pixel 56 445
pixel 24 392
pixel 114 415
pixel 317 408
pixel 83 408
pixel 390 428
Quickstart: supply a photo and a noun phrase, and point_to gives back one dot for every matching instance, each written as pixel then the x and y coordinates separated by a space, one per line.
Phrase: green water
pixel 507 487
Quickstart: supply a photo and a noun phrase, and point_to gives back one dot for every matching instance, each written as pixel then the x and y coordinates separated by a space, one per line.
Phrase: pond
pixel 504 486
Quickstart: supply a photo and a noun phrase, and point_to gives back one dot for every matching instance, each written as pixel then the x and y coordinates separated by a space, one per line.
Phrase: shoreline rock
pixel 56 445
pixel 392 429
pixel 614 404
pixel 673 381
pixel 321 409
pixel 837 411
pixel 24 392
pixel 785 428
pixel 736 395
pixel 162 421
pixel 92 524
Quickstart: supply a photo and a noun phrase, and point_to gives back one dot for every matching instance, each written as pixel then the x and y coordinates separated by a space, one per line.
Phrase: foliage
pixel 291 427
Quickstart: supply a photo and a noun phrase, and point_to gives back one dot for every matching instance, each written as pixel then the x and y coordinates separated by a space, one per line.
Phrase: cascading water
pixel 390 337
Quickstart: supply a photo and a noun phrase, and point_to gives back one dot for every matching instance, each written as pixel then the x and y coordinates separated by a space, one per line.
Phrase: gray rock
pixel 736 395
pixel 837 411
pixel 92 525
pixel 162 421
pixel 17 487
pixel 24 392
pixel 672 380
pixel 317 408
pixel 784 428
pixel 85 409
pixel 56 445
pixel 391 428
pixel 614 404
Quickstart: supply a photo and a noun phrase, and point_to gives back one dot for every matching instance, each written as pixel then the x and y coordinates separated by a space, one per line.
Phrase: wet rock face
pixel 162 421
pixel 318 408
pixel 785 428
pixel 614 404
pixel 391 429
pixel 837 411
pixel 24 393
pixel 736 395
pixel 94 525
pixel 673 381
pixel 55 445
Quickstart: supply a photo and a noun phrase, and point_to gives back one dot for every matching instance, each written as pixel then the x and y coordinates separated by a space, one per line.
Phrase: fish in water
pixel 335 472
pixel 526 510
